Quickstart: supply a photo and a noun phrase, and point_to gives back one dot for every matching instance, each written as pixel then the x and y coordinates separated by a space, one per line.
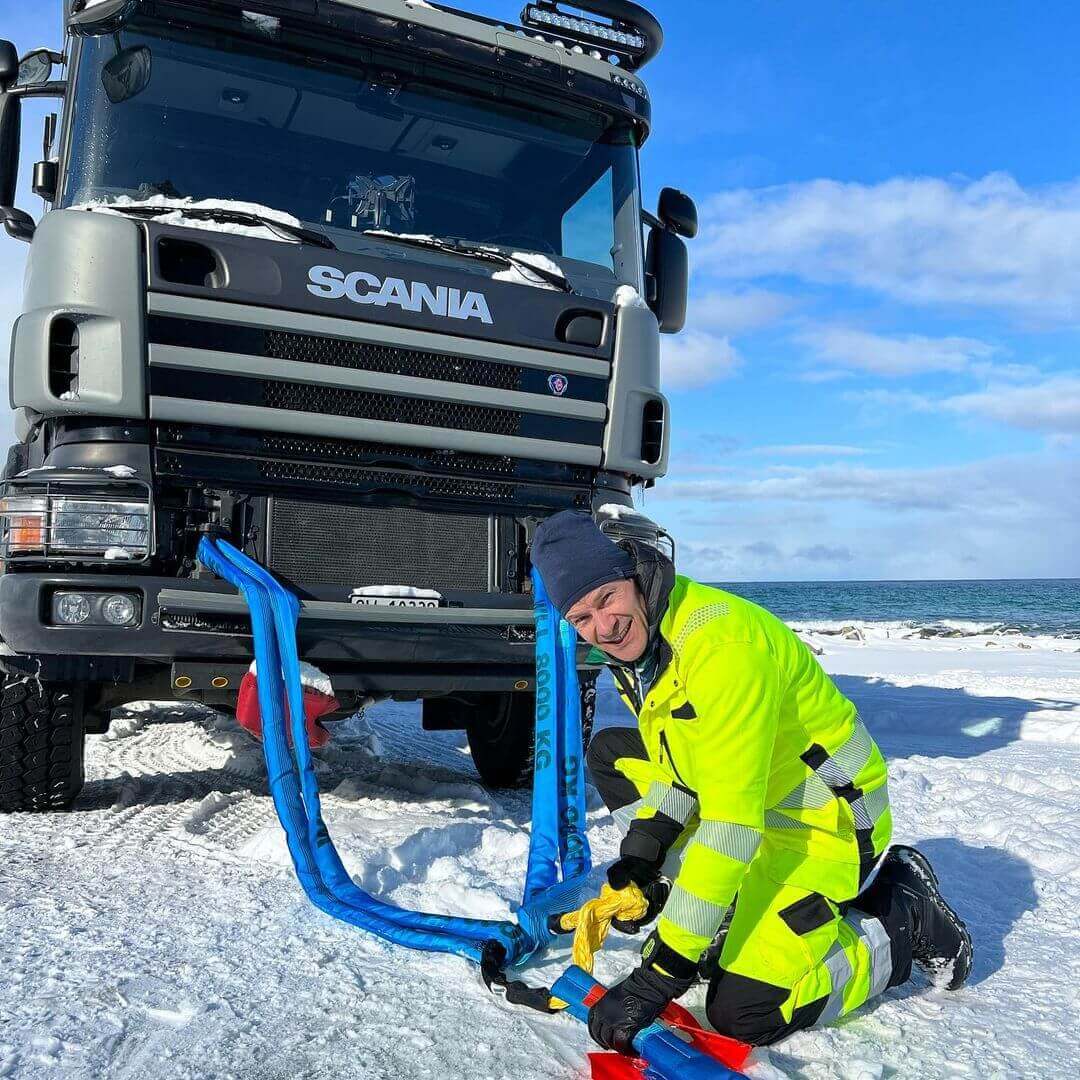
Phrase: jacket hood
pixel 654 573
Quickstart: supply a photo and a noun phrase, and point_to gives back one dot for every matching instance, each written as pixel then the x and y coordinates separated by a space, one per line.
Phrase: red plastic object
pixel 616 1067
pixel 729 1052
pixel 315 705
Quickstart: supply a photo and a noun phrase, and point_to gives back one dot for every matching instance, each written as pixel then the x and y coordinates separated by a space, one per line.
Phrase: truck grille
pixel 321 400
pixel 355 546
pixel 505 402
pixel 290 465
pixel 365 356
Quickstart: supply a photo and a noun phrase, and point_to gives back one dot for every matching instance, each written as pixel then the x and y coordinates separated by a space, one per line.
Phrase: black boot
pixel 940 942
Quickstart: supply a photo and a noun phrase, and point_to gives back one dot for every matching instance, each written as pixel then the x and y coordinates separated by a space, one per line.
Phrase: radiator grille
pixel 369 454
pixel 365 356
pixel 293 345
pixel 447 487
pixel 355 546
pixel 301 397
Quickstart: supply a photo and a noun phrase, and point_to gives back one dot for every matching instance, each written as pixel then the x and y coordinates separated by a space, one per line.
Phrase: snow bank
pixel 951 634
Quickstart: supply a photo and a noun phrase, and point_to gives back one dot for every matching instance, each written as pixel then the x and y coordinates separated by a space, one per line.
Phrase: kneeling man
pixel 756 803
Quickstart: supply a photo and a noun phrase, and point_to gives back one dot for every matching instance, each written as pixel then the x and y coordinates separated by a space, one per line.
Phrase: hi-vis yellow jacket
pixel 751 744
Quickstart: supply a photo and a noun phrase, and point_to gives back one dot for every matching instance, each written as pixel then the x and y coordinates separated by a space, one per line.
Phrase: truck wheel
pixel 500 729
pixel 41 744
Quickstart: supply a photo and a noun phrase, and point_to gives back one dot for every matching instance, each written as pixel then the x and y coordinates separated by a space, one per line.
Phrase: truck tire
pixel 500 730
pixel 41 745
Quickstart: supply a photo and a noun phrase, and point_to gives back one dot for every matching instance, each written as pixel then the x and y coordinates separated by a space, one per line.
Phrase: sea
pixel 1031 607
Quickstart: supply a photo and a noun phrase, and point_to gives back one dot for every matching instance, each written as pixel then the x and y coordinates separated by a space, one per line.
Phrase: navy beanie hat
pixel 574 557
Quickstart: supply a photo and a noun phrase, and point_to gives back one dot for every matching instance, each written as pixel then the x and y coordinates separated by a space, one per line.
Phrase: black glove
pixel 656 896
pixel 629 868
pixel 636 1002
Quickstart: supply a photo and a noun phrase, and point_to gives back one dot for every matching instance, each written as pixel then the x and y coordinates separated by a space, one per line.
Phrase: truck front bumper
pixel 199 625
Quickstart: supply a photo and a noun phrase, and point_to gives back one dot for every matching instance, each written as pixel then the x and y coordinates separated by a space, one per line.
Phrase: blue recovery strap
pixel 559 794
pixel 558 803
pixel 318 866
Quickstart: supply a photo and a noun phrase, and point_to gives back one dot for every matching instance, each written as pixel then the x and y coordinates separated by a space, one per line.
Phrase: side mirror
pixel 667 268
pixel 35 68
pixel 87 19
pixel 17 223
pixel 9 65
pixel 678 212
pixel 127 74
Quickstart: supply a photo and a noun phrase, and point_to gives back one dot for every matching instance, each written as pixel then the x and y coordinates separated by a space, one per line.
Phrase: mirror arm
pixel 56 88
pixel 652 220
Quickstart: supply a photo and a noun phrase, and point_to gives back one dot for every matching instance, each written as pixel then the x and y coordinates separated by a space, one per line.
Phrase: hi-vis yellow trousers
pixel 794 955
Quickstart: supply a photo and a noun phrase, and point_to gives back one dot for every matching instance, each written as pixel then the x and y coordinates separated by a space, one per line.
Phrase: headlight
pixel 96 526
pixel 59 523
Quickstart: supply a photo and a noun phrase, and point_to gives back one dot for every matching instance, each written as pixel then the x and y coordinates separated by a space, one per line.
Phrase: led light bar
pixel 584 28
pixel 631 35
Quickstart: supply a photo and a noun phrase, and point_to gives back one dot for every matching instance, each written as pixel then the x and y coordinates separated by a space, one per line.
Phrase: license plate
pixel 395 601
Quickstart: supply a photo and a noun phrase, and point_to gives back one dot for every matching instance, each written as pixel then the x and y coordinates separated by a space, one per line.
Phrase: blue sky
pixel 880 376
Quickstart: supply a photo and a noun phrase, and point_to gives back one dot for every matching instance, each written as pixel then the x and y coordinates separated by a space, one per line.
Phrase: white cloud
pixel 1001 517
pixel 1052 406
pixel 986 243
pixel 912 354
pixel 1013 488
pixel 810 450
pixel 694 359
pixel 738 312
pixel 823 553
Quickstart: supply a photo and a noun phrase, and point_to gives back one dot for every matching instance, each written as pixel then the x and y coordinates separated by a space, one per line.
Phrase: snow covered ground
pixel 158 932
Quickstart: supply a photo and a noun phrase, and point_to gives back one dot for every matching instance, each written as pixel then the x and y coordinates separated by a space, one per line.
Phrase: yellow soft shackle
pixel 592 921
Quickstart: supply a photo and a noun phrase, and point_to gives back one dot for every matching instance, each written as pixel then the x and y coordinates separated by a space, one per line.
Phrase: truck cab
pixel 364 287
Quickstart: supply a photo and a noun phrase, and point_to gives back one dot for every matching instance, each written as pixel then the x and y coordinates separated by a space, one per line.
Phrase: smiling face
pixel 613 618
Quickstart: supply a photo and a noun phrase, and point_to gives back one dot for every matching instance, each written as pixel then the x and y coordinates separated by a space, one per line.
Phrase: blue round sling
pixel 559 860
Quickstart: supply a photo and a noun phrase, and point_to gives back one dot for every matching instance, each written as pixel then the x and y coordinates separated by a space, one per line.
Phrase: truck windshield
pixel 352 149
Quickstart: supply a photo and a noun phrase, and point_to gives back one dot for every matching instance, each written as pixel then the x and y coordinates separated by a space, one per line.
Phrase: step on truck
pixel 365 287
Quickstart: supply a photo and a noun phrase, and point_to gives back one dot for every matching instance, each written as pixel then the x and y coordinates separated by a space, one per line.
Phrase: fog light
pixel 119 610
pixel 96 609
pixel 72 608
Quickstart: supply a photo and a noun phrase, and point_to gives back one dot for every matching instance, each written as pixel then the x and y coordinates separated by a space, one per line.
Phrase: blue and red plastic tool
pixel 676 1047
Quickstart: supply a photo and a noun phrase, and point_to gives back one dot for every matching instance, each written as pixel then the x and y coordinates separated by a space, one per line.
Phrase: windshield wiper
pixel 234 217
pixel 477 251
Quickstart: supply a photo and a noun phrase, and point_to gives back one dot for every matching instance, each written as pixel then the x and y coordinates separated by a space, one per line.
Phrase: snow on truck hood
pixel 178 217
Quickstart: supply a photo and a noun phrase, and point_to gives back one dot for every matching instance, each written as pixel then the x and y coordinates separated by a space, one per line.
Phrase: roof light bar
pixel 537 16
pixel 632 32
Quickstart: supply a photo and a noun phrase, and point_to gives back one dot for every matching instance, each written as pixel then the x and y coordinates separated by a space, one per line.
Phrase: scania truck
pixel 365 287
